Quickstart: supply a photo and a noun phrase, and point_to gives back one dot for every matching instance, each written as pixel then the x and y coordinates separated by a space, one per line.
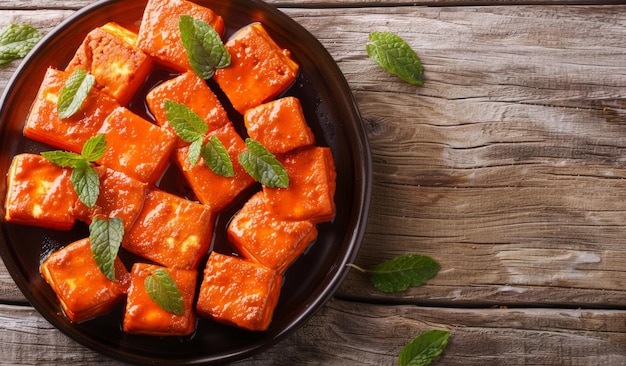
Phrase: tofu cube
pixel 39 193
pixel 279 125
pixel 82 289
pixel 211 189
pixel 311 191
pixel 171 231
pixel 110 55
pixel 144 316
pixel 259 68
pixel 159 35
pixel 135 146
pixel 192 91
pixel 43 123
pixel 263 237
pixel 120 196
pixel 238 292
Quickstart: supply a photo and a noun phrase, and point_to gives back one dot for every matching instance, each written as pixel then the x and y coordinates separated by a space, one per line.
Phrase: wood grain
pixel 507 166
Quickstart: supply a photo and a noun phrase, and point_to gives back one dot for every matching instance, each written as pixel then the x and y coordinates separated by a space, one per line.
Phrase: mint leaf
pixel 193 154
pixel 186 123
pixel 94 148
pixel 16 40
pixel 392 53
pixel 86 183
pixel 424 348
pixel 105 237
pixel 74 93
pixel 64 159
pixel 162 289
pixel 263 166
pixel 216 158
pixel 402 272
pixel 205 49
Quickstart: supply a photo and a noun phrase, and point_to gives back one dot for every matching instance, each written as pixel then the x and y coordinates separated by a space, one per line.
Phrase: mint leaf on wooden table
pixel 216 157
pixel 424 348
pixel 162 289
pixel 16 40
pixel 105 237
pixel 205 49
pixel 392 53
pixel 402 272
pixel 74 93
pixel 263 166
pixel 84 178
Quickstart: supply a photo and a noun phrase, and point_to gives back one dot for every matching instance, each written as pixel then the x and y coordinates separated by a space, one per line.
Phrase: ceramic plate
pixel 331 113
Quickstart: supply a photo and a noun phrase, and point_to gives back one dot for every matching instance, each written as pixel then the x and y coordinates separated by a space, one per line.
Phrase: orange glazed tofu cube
pixel 39 193
pixel 171 231
pixel 212 189
pixel 109 54
pixel 311 191
pixel 159 35
pixel 120 196
pixel 43 123
pixel 279 125
pixel 259 68
pixel 192 91
pixel 135 146
pixel 81 287
pixel 263 237
pixel 238 292
pixel 144 316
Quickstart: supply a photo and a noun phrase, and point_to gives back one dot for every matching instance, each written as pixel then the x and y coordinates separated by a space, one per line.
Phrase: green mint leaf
pixel 402 272
pixel 186 123
pixel 86 183
pixel 392 53
pixel 216 158
pixel 94 148
pixel 205 49
pixel 424 348
pixel 64 159
pixel 263 165
pixel 74 93
pixel 162 289
pixel 16 40
pixel 195 149
pixel 105 237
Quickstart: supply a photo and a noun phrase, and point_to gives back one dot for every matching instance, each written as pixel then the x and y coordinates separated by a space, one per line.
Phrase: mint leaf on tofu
pixel 74 93
pixel 105 238
pixel 163 290
pixel 263 166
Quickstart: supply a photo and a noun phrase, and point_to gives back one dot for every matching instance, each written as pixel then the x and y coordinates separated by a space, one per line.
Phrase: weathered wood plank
pixel 341 334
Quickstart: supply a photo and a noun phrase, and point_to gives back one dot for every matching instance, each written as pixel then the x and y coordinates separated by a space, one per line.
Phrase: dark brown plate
pixel 332 114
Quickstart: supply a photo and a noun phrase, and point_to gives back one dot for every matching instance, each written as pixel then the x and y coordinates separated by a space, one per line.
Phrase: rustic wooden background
pixel 507 167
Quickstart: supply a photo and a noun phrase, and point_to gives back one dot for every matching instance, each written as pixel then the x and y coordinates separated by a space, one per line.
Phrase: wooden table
pixel 507 167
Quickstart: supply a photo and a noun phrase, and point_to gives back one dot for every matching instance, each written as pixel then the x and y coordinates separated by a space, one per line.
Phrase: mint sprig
pixel 205 49
pixel 74 92
pixel 216 157
pixel 392 53
pixel 191 128
pixel 402 272
pixel 263 166
pixel 424 348
pixel 105 237
pixel 84 178
pixel 163 290
pixel 16 40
